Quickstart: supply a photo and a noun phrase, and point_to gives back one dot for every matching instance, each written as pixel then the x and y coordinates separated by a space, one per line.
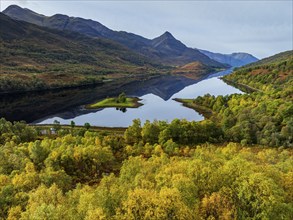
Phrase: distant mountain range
pixel 234 59
pixel 165 48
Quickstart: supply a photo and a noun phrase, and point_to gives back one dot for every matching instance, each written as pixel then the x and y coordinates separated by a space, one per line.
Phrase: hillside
pixel 194 70
pixel 264 116
pixel 85 26
pixel 35 58
pixel 280 57
pixel 165 49
pixel 172 51
pixel 234 59
pixel 271 74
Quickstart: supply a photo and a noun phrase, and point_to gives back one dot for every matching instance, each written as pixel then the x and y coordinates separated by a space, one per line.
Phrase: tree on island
pixel 121 98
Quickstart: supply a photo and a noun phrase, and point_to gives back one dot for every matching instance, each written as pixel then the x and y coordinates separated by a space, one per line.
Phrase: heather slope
pixel 273 74
pixel 35 58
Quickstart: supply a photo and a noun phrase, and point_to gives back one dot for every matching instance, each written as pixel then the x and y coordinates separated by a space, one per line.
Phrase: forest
pixel 141 175
pixel 264 116
pixel 235 164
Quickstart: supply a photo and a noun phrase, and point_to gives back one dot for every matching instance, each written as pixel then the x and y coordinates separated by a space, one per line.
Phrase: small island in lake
pixel 119 102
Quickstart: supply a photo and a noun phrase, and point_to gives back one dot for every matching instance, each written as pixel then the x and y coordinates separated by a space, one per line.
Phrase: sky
pixel 262 28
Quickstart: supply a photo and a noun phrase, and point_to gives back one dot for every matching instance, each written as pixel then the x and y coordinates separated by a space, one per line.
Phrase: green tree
pixel 72 126
pixel 87 125
pixel 121 98
pixel 133 133
pixel 56 125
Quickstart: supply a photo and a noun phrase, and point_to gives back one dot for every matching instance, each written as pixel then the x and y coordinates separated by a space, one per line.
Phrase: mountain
pixel 80 25
pixel 165 49
pixel 234 59
pixel 164 87
pixel 273 74
pixel 171 50
pixel 37 58
pixel 286 56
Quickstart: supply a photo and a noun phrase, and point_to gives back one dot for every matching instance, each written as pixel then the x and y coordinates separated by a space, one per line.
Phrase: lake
pixel 157 97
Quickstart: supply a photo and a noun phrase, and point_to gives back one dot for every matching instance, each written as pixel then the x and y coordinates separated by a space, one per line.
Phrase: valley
pixel 97 123
pixel 42 55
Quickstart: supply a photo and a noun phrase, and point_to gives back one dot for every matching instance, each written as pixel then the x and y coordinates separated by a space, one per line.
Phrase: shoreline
pixel 242 87
pixel 205 112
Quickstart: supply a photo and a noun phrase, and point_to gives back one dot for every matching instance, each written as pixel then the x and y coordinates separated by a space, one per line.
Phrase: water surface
pixel 157 97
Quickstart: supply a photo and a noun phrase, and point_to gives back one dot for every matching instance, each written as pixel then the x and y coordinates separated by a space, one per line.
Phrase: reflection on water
pixel 154 108
pixel 157 96
pixel 66 104
pixel 213 86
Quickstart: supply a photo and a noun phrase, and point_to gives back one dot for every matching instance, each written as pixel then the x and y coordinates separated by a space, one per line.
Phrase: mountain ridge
pixel 39 58
pixel 169 51
pixel 235 59
pixel 272 74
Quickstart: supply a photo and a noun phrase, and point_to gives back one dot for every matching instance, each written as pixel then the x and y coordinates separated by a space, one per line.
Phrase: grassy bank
pixel 207 113
pixel 129 102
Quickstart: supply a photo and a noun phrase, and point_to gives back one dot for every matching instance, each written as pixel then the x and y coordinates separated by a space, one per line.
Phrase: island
pixel 122 101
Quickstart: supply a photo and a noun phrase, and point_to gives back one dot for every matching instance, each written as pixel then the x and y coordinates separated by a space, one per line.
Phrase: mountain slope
pixel 193 70
pixel 171 51
pixel 80 25
pixel 165 49
pixel 273 74
pixel 234 59
pixel 34 58
pixel 280 57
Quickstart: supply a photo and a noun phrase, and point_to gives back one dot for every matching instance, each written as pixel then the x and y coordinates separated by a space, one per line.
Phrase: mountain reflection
pixel 67 103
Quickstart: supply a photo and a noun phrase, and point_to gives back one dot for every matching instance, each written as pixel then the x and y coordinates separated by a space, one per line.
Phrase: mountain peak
pixel 168 34
pixel 23 14
pixel 15 8
pixel 167 41
pixel 10 7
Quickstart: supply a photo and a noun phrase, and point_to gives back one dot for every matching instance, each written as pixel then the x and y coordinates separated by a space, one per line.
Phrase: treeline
pixel 254 118
pixel 152 174
pixel 38 82
pixel 178 131
pixel 16 132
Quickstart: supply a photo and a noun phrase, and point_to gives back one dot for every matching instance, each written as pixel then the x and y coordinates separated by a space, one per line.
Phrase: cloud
pixel 22 2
